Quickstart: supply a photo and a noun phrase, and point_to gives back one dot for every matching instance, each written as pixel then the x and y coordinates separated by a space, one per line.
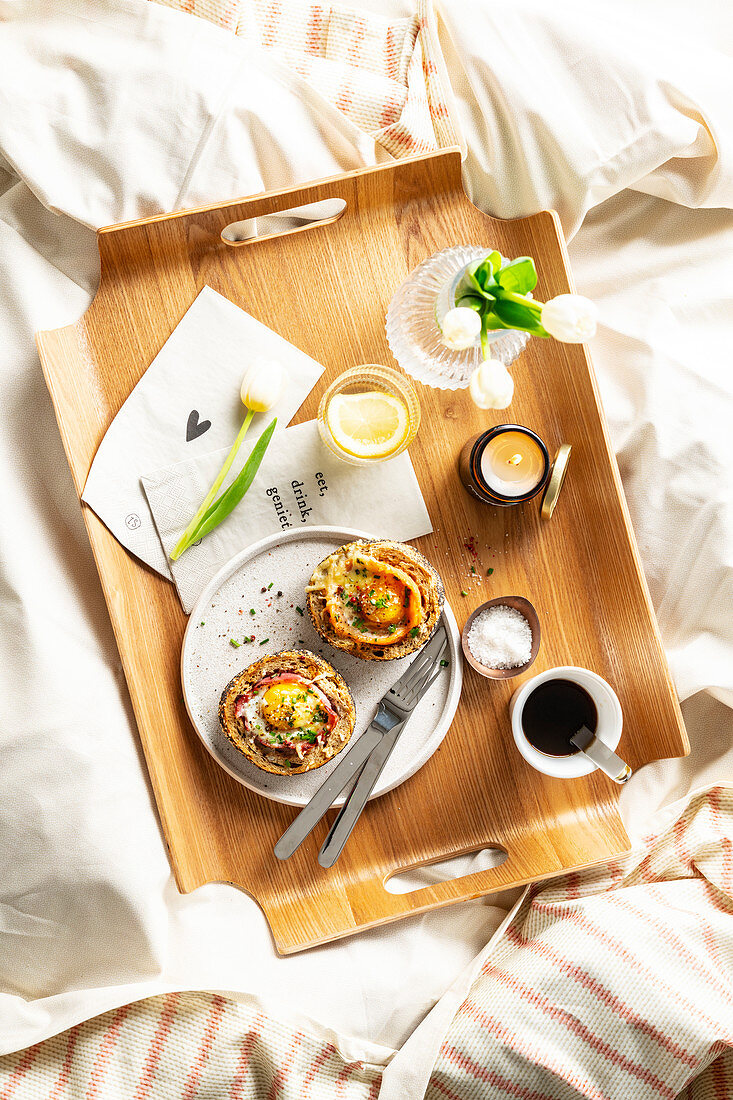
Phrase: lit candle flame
pixel 514 460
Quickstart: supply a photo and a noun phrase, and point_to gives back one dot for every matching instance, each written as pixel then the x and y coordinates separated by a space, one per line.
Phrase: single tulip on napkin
pixel 299 485
pixel 186 405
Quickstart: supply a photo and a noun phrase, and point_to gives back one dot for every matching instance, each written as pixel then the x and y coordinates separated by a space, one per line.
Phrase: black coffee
pixel 555 711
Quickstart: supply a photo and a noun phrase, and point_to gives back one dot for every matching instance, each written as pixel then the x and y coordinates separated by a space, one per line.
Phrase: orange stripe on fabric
pixel 328 1050
pixel 107 1045
pixel 344 1075
pixel 602 935
pixel 435 1083
pixel 602 993
pixel 345 96
pixel 491 1077
pixel 720 962
pixel 274 16
pixel 581 1031
pixel 25 1062
pixel 374 1090
pixel 218 1004
pixel 63 1076
pixel 725 841
pixel 680 844
pixel 315 30
pixel 281 1075
pixel 155 1052
pixel 672 940
pixel 250 1042
pixel 391 54
pixel 353 53
pixel 531 1054
pixel 401 137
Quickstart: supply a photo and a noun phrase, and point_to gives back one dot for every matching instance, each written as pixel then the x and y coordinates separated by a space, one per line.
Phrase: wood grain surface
pixel 326 289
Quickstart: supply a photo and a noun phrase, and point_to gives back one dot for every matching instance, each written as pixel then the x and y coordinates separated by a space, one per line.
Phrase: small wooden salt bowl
pixel 524 607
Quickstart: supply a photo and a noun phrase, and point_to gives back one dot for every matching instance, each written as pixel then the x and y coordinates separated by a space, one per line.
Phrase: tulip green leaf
pixel 471 301
pixel 229 500
pixel 516 315
pixel 494 260
pixel 519 276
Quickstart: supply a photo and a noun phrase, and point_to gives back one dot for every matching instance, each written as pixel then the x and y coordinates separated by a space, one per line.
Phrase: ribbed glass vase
pixel 415 315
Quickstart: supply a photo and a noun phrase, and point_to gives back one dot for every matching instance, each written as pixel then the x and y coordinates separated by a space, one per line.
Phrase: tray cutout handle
pixel 282 222
pixel 420 876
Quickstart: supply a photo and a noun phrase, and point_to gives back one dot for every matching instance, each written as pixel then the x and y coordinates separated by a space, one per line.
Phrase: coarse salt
pixel 500 637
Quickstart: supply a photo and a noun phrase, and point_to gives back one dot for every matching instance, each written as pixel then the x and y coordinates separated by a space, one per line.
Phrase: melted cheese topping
pixel 369 600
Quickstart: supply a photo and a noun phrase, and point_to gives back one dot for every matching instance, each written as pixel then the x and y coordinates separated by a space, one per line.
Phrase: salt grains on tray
pixel 500 637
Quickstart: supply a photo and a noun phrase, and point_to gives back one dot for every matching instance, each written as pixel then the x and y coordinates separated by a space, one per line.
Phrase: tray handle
pixel 357 189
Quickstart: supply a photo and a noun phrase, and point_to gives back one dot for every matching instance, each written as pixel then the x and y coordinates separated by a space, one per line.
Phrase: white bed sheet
pixel 111 110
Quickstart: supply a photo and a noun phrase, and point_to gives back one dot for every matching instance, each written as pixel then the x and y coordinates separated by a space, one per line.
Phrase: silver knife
pixel 321 801
pixel 394 711
pixel 353 760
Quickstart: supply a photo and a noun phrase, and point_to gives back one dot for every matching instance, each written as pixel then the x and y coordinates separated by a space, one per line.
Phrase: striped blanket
pixel 616 982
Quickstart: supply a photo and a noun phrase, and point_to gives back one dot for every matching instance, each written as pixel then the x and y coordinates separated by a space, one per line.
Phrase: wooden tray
pixel 326 288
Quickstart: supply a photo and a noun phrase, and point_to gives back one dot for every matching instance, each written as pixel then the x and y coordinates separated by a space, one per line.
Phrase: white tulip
pixel 570 318
pixel 461 328
pixel 491 385
pixel 262 384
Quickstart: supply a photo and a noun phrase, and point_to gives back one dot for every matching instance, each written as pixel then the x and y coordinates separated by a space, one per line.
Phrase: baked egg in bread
pixel 289 712
pixel 378 600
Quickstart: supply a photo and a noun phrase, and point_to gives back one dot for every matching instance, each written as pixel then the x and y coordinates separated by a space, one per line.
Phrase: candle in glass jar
pixel 512 464
pixel 505 465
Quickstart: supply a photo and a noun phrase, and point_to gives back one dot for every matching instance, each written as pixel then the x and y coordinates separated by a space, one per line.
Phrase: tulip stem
pixel 189 534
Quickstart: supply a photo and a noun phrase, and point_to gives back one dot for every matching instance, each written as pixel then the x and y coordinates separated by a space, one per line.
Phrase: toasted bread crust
pixel 311 667
pixel 406 558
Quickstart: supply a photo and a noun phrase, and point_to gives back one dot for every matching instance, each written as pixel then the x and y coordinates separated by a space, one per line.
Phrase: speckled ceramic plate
pixel 234 606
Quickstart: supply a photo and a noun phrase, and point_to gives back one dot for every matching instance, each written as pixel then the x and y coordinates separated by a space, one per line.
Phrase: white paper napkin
pixel 184 406
pixel 299 484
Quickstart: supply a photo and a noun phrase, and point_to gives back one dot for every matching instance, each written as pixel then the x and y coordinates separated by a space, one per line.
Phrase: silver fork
pixel 393 712
pixel 376 743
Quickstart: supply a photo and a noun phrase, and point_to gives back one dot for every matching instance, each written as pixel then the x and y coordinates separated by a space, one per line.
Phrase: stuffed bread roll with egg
pixel 378 600
pixel 288 713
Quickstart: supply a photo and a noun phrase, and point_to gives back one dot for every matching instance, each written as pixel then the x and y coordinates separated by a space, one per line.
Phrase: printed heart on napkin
pixel 195 427
pixel 200 366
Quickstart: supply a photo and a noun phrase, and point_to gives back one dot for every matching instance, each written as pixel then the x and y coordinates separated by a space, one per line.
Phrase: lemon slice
pixel 367 425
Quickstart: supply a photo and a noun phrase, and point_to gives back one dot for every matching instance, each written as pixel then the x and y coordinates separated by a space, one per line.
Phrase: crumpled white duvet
pixel 111 109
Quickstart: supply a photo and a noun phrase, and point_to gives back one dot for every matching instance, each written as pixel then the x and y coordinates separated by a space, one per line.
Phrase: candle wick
pixel 514 460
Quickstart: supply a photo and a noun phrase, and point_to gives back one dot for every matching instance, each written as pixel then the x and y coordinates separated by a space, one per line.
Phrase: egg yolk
pixel 383 601
pixel 290 706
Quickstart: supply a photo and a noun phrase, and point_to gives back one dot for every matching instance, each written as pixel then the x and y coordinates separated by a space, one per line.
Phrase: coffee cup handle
pixel 604 758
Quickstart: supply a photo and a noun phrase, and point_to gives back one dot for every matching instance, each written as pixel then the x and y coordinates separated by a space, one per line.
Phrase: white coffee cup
pixel 608 729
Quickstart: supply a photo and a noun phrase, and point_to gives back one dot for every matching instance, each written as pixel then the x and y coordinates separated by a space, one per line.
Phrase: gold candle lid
pixel 557 477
